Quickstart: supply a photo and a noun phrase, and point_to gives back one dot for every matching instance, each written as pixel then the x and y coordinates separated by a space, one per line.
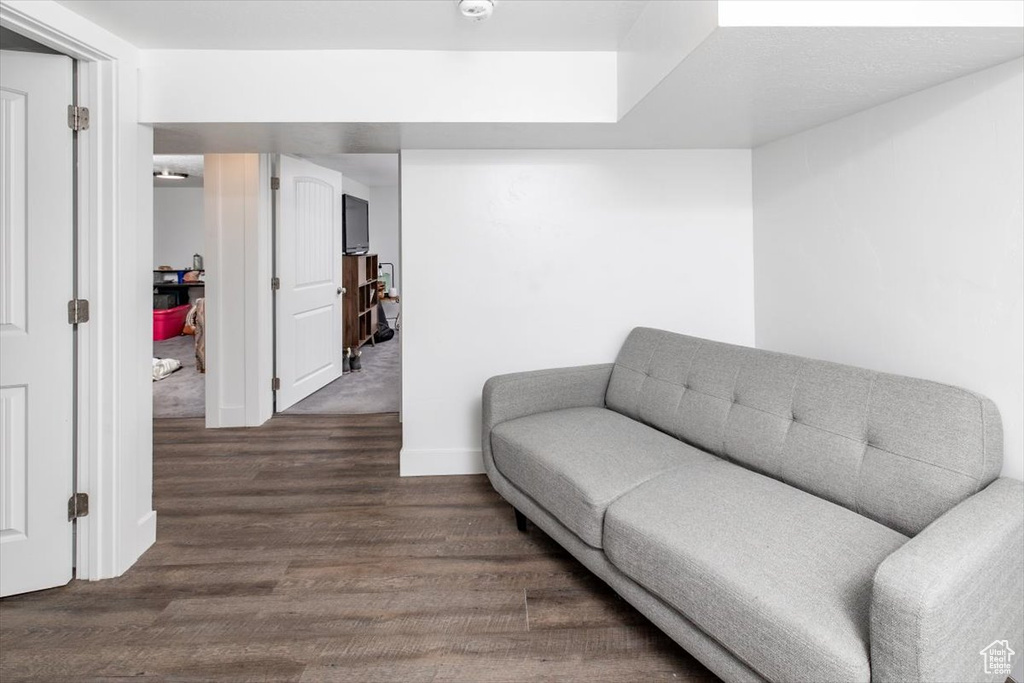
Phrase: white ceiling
pixel 741 88
pixel 744 87
pixel 362 24
pixel 192 164
pixel 372 170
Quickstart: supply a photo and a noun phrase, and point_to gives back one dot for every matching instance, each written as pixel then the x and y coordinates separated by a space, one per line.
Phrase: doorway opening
pixel 280 275
pixel 370 289
pixel 179 287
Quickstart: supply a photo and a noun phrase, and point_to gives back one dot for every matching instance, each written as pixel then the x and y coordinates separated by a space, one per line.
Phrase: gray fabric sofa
pixel 781 518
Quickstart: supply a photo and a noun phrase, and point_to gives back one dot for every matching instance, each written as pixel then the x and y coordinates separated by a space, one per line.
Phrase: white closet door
pixel 35 337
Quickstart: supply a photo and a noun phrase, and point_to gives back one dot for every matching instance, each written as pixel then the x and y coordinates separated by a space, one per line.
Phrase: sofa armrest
pixel 507 397
pixel 951 591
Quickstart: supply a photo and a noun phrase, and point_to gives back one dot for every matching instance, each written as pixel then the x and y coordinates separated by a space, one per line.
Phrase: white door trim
pixel 114 404
pixel 239 341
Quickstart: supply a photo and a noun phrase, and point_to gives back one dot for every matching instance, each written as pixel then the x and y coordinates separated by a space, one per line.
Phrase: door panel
pixel 36 362
pixel 13 464
pixel 309 339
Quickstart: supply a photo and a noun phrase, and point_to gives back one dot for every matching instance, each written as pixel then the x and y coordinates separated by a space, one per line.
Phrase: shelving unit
pixel 359 305
pixel 176 286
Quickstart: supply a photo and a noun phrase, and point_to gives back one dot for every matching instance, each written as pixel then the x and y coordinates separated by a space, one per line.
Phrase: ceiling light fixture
pixel 477 10
pixel 170 175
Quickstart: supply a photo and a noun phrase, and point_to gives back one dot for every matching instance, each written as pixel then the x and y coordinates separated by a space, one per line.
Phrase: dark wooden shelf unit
pixel 181 290
pixel 359 305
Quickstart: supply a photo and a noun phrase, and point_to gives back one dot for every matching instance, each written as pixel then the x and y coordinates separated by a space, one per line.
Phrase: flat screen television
pixel 355 224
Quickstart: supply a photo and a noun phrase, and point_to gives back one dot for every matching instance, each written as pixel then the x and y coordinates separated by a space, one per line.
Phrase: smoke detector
pixel 477 10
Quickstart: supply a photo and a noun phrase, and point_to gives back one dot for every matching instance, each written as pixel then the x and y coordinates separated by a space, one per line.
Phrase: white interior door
pixel 35 337
pixel 309 250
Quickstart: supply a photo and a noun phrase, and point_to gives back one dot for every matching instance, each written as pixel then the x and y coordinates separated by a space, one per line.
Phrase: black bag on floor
pixel 384 331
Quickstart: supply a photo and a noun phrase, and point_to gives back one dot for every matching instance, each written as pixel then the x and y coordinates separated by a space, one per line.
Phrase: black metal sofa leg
pixel 521 521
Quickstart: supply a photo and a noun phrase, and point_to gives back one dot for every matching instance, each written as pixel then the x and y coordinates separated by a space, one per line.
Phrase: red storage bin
pixel 169 323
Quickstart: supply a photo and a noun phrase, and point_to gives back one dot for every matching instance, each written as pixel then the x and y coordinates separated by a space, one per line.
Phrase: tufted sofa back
pixel 896 449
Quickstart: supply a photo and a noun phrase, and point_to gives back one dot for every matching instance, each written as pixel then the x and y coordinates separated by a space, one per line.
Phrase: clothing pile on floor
pixel 163 367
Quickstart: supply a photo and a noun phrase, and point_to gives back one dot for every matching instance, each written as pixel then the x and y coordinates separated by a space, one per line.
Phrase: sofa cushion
pixel 780 577
pixel 575 462
pixel 899 450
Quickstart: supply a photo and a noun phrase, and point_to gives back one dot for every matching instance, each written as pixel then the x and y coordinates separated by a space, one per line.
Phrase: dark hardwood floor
pixel 294 552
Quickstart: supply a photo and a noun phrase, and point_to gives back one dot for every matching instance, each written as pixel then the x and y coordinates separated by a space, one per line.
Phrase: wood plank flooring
pixel 295 552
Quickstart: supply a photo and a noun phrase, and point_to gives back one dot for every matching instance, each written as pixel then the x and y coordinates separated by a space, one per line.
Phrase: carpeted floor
pixel 377 389
pixel 183 394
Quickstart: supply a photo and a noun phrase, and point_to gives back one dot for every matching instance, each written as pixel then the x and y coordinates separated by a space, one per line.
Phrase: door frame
pixel 239 357
pixel 114 435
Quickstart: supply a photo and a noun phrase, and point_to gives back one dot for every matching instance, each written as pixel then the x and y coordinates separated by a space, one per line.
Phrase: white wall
pixel 384 237
pixel 520 260
pixel 197 86
pixel 355 188
pixel 892 239
pixel 178 226
pixel 662 36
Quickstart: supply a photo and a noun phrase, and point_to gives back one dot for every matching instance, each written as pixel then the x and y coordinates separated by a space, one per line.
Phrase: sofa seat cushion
pixel 575 462
pixel 778 576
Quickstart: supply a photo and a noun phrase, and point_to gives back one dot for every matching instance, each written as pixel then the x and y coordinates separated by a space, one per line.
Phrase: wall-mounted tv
pixel 355 224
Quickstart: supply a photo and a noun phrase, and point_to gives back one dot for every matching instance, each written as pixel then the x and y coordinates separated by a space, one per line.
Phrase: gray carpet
pixel 377 389
pixel 183 394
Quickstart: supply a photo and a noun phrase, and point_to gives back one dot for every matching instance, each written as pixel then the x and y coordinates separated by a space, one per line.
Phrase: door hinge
pixel 78 506
pixel 275 183
pixel 78 311
pixel 275 283
pixel 276 383
pixel 78 117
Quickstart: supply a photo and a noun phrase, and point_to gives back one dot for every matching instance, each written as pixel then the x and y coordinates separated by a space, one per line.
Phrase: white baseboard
pixel 147 530
pixel 434 462
pixel 231 416
pixel 145 537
